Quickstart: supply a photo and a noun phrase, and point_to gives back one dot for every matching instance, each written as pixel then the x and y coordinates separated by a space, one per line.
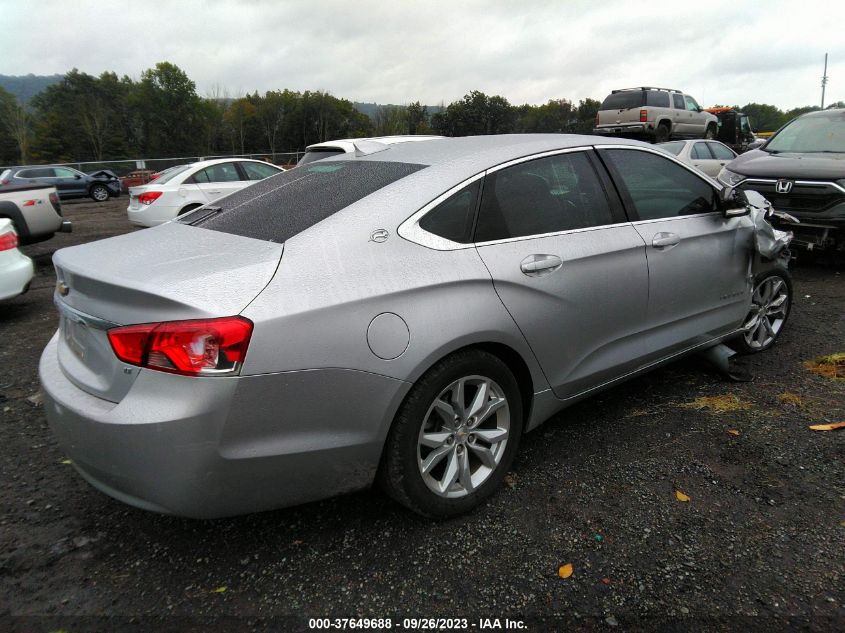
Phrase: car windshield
pixel 674 147
pixel 171 174
pixel 623 100
pixel 318 154
pixel 277 208
pixel 816 133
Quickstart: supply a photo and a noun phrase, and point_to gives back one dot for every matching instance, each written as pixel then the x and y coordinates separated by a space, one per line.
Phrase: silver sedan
pixel 401 314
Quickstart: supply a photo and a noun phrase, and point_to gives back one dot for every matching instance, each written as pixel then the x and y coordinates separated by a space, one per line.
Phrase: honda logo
pixel 783 186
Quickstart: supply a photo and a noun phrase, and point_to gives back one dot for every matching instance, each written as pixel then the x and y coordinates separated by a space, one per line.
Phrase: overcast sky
pixel 394 51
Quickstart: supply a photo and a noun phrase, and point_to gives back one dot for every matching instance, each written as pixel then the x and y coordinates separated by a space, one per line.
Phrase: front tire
pixel 455 436
pixel 710 134
pixel 99 193
pixel 771 301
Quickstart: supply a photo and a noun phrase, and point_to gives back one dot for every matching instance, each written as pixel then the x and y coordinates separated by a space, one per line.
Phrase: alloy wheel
pixel 100 194
pixel 463 436
pixel 769 308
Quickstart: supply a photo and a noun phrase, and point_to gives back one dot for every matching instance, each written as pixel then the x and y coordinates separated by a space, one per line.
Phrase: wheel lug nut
pixel 460 449
pixel 471 438
pixel 450 439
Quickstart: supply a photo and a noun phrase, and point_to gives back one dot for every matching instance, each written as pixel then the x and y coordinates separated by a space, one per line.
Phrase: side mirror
pixel 77 176
pixel 734 202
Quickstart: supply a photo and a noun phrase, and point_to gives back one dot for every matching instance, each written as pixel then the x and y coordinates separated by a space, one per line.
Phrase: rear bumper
pixel 151 215
pixel 16 271
pixel 625 130
pixel 212 447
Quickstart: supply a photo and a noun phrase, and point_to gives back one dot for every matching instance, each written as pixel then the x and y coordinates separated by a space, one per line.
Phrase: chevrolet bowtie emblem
pixel 63 289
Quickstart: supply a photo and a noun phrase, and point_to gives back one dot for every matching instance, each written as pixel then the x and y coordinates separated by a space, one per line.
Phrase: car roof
pixel 476 153
pixel 820 113
pixel 348 144
pixel 217 161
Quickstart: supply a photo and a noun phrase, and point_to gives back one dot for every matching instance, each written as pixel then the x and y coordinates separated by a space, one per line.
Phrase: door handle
pixel 539 265
pixel 665 240
pixel 215 192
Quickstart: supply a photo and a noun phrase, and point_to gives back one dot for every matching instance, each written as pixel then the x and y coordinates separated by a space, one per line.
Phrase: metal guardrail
pixel 123 167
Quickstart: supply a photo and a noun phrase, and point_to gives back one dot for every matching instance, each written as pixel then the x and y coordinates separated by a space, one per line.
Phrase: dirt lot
pixel 760 545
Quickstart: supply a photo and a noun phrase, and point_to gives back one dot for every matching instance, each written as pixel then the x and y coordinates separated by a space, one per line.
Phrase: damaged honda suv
pixel 801 171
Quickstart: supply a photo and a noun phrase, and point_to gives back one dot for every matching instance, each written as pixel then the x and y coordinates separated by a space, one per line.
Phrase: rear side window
pixel 38 172
pixel 63 172
pixel 700 152
pixel 721 152
pixel 547 195
pixel 624 100
pixel 452 218
pixel 678 101
pixel 657 98
pixel 275 209
pixel 259 171
pixel 673 147
pixel 656 187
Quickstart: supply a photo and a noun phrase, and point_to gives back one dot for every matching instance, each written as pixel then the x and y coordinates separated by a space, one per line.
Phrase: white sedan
pixel 706 156
pixel 16 269
pixel 188 187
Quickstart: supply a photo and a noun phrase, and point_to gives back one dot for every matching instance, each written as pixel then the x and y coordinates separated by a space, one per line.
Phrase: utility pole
pixel 824 79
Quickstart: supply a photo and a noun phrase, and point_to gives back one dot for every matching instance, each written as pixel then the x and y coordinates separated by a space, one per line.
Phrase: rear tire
pixel 455 436
pixel 661 134
pixel 771 304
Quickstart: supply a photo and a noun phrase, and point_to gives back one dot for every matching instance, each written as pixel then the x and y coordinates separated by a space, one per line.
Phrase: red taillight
pixel 148 197
pixel 8 241
pixel 643 116
pixel 191 348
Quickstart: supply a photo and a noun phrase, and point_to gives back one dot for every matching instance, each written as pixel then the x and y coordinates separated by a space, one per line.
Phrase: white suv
pixel 654 114
pixel 188 187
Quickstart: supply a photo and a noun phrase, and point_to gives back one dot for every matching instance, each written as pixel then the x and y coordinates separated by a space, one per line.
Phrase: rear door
pixel 722 156
pixel 680 115
pixel 698 260
pixel 567 265
pixel 216 181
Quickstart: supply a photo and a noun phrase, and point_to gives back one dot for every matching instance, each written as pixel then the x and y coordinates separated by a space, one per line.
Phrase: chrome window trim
pixel 411 230
pixel 680 217
pixel 539 236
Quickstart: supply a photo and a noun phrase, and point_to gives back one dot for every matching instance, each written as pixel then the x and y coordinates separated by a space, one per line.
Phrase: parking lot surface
pixel 758 545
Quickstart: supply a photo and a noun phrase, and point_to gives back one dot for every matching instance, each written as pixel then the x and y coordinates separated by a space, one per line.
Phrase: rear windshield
pixel 673 147
pixel 623 100
pixel 171 174
pixel 277 208
pixel 318 154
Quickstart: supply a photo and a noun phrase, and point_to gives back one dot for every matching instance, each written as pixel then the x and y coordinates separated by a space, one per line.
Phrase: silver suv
pixel 654 114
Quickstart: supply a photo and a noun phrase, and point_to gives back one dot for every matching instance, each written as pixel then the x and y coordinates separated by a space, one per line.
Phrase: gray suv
pixel 654 114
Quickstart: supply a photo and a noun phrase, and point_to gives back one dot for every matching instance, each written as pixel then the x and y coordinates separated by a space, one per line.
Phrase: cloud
pixel 395 52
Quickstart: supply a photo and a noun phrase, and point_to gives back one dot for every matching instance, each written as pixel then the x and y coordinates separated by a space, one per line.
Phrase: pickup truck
pixel 35 211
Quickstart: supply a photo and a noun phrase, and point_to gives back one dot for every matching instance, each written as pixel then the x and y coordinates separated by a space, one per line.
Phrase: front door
pixel 70 182
pixel 568 267
pixel 698 260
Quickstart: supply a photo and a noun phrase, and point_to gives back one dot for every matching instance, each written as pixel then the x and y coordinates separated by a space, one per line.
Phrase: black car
pixel 801 170
pixel 69 183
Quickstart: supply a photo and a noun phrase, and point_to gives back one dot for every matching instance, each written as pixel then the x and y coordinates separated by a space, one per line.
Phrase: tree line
pixel 87 118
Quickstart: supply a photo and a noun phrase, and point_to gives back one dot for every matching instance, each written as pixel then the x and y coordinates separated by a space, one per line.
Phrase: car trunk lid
pixel 168 273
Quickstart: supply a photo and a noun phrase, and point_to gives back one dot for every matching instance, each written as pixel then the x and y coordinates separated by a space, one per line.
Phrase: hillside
pixel 24 87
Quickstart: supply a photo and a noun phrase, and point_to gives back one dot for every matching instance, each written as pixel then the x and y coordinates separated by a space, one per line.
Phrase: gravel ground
pixel 760 545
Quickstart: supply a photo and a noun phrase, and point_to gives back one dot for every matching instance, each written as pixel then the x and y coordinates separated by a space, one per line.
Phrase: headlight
pixel 729 178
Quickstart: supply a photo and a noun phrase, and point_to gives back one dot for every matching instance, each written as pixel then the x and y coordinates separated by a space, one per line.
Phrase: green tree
pixel 476 114
pixel 764 117
pixel 169 111
pixel 9 146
